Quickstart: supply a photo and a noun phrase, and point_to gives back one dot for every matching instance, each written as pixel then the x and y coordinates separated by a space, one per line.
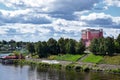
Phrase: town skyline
pixel 29 20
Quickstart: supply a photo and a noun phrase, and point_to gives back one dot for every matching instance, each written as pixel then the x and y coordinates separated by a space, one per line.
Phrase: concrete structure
pixel 89 34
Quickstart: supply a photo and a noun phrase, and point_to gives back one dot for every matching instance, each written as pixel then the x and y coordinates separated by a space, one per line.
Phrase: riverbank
pixel 85 62
pixel 68 65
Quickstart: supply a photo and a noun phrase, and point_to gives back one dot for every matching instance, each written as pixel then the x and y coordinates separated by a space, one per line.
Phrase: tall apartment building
pixel 89 34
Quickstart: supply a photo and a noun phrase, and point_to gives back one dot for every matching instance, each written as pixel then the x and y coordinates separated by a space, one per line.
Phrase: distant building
pixel 89 34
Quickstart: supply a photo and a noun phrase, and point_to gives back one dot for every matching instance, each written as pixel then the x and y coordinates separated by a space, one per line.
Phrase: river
pixel 12 72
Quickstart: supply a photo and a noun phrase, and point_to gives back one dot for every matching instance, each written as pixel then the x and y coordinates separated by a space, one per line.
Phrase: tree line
pixel 101 46
pixel 54 47
pixel 12 45
pixel 105 46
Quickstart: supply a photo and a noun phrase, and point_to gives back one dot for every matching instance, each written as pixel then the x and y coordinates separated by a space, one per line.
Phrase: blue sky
pixel 34 20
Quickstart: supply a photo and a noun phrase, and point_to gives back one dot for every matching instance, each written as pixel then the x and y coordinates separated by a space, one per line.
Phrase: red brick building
pixel 89 34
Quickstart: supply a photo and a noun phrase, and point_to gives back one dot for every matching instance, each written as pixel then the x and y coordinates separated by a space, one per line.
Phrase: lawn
pixel 93 58
pixel 66 57
pixel 111 60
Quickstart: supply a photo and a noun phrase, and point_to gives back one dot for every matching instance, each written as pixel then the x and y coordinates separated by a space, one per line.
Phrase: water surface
pixel 12 72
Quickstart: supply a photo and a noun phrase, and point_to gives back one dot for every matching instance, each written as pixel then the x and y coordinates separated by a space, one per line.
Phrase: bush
pixel 70 67
pixel 86 69
pixel 78 68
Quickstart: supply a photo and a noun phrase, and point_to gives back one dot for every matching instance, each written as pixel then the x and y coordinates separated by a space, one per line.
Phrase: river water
pixel 12 72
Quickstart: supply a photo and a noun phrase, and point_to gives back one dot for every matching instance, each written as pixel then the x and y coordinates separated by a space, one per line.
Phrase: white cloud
pixel 27 3
pixel 33 20
pixel 101 19
pixel 112 2
pixel 59 28
pixel 24 16
pixel 68 26
pixel 94 16
pixel 111 32
pixel 51 5
pixel 3 30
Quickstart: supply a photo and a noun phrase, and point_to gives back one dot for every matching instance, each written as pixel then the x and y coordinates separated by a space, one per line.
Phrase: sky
pixel 39 20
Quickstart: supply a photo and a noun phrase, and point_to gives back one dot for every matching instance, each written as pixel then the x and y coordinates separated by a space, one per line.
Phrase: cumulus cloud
pixel 24 16
pixel 24 32
pixel 56 5
pixel 34 20
pixel 58 28
pixel 55 8
pixel 112 3
pixel 101 19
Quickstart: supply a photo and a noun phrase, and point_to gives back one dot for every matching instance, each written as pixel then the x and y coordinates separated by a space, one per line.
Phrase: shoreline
pixel 68 65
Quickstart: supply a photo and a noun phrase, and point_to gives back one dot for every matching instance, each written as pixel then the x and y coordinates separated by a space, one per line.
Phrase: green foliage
pixel 35 56
pixel 117 44
pixel 103 46
pixel 67 57
pixel 86 69
pixel 61 43
pixel 111 60
pixel 70 46
pixel 110 45
pixel 16 53
pixel 118 39
pixel 80 47
pixel 78 68
pixel 53 46
pixel 94 46
pixel 93 58
pixel 9 46
pixel 30 48
pixel 39 49
pixel 70 67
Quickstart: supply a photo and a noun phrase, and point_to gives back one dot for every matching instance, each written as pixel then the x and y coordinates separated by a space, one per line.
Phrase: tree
pixel 70 46
pixel 117 47
pixel 80 47
pixel 39 49
pixel 31 48
pixel 110 45
pixel 102 46
pixel 94 46
pixel 44 52
pixel 118 39
pixel 53 47
pixel 61 43
pixel 4 42
pixel 117 44
pixel 12 44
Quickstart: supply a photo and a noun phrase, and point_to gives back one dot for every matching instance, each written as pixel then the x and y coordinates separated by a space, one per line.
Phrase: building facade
pixel 89 34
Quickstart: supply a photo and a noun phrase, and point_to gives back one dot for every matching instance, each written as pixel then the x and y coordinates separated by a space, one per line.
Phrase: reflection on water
pixel 11 72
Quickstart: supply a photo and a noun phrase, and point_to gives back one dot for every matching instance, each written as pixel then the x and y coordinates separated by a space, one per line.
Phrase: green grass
pixel 111 60
pixel 66 57
pixel 93 58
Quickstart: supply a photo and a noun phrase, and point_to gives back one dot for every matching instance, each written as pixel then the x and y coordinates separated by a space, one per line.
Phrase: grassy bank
pixel 38 64
pixel 92 58
pixel 115 60
pixel 90 62
pixel 86 67
pixel 66 57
